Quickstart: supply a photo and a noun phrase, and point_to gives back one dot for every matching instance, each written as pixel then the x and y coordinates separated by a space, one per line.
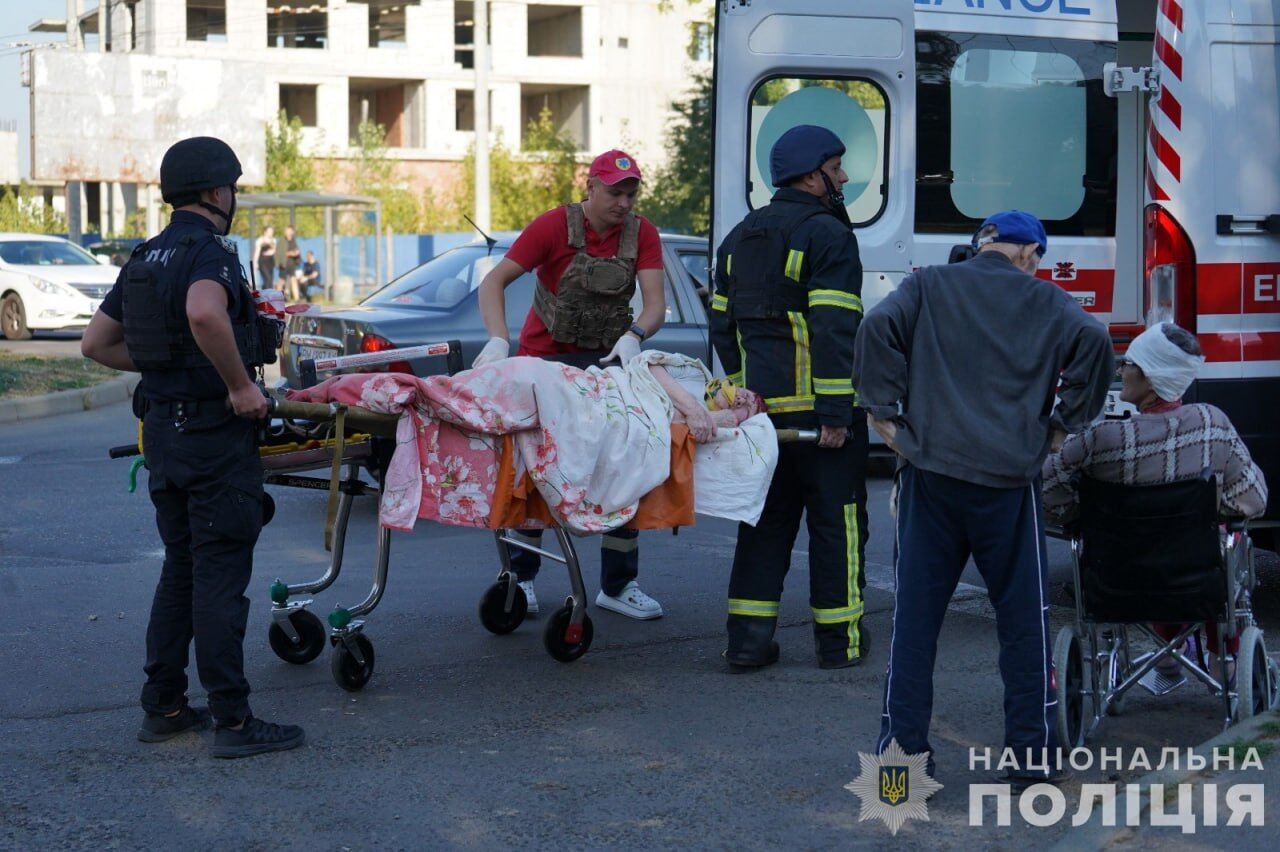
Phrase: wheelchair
pixel 1156 554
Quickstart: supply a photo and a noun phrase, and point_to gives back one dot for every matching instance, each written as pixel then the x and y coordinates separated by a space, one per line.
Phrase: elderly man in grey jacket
pixel 958 371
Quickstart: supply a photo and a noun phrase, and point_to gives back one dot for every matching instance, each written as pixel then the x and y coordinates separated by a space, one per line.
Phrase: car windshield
pixel 440 283
pixel 44 253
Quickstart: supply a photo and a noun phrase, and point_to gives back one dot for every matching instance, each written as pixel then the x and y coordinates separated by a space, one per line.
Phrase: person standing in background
pixel 264 257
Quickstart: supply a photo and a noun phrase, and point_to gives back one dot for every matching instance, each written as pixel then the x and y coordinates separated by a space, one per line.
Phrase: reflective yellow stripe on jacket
pixel 835 299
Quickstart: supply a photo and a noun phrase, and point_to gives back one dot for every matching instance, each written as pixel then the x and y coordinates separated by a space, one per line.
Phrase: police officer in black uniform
pixel 182 314
pixel 786 307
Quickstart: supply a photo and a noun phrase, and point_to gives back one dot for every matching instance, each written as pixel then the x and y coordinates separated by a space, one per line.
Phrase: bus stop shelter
pixel 330 203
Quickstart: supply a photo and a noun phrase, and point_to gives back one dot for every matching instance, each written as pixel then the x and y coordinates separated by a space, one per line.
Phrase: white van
pixel 1144 133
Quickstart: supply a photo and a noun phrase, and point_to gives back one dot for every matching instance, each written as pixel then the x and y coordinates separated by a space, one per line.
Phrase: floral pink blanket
pixel 593 441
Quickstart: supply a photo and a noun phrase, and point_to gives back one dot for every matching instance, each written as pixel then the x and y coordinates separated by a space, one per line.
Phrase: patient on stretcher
pixel 720 405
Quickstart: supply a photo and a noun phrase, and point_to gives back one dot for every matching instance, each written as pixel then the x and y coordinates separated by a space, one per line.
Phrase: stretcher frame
pixel 296 634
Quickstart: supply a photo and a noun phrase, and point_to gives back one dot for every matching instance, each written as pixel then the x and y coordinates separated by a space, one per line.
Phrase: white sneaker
pixel 530 597
pixel 630 602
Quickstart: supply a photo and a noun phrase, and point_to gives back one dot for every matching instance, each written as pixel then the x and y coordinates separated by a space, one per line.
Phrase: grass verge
pixel 30 376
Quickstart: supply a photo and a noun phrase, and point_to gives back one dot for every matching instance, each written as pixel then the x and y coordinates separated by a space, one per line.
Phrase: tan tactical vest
pixel 591 308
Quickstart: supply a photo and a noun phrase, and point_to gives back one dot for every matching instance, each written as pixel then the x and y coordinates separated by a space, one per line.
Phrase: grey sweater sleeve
pixel 1088 369
pixel 882 348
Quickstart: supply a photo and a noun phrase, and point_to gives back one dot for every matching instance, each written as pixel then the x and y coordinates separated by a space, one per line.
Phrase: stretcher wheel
pixel 1074 707
pixel 556 640
pixel 347 670
pixel 493 614
pixel 311 638
pixel 1253 678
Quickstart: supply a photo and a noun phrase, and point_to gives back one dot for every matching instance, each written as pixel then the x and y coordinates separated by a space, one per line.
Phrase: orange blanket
pixel 519 505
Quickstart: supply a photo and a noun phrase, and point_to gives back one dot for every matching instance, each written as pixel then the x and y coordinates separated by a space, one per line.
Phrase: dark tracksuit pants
pixel 941 522
pixel 828 487
pixel 206 484
pixel 619 550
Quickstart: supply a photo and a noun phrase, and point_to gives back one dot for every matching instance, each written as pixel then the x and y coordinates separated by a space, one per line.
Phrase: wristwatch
pixel 638 331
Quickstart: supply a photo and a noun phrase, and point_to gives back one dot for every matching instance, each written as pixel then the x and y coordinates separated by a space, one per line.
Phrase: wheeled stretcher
pixel 344 440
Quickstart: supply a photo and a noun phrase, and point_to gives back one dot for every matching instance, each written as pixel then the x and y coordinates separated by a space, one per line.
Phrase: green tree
pixel 522 186
pixel 25 211
pixel 680 194
pixel 288 168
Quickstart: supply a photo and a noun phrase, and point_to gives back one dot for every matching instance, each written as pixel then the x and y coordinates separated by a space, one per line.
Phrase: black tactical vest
pixel 156 331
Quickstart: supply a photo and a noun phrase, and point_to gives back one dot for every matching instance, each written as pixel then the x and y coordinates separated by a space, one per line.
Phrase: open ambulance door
pixel 846 66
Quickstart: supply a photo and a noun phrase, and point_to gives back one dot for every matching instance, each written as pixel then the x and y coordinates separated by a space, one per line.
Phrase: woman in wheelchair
pixel 1165 442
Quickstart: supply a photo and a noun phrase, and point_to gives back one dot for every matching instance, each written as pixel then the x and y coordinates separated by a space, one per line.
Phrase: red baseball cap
pixel 614 167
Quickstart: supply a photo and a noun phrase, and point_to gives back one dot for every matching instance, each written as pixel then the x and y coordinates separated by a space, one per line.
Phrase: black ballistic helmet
pixel 201 162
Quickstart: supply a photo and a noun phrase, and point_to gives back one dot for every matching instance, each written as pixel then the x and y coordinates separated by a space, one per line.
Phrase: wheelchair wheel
pixel 311 638
pixel 1074 708
pixel 1253 676
pixel 562 642
pixel 347 671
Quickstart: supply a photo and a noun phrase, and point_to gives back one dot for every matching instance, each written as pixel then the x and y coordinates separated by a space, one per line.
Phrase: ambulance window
pixel 856 110
pixel 1012 122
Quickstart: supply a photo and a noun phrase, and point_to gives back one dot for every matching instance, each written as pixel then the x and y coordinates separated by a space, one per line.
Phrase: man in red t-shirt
pixel 597 250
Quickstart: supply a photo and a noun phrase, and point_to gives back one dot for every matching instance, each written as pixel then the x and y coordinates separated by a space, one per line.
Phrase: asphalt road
pixel 47 344
pixel 462 738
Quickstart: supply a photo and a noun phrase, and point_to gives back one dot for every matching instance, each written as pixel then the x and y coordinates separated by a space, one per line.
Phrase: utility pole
pixel 481 41
pixel 74 8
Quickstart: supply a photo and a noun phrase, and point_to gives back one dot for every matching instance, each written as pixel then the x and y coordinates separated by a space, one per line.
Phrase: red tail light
pixel 1169 271
pixel 377 343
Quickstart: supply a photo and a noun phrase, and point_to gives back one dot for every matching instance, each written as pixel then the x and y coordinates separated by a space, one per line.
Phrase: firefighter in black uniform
pixel 182 314
pixel 785 310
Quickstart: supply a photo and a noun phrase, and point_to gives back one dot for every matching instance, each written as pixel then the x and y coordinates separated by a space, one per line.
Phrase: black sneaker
pixel 256 737
pixel 156 727
pixel 741 663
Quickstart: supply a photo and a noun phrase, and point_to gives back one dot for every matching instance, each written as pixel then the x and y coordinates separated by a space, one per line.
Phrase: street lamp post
pixel 481 41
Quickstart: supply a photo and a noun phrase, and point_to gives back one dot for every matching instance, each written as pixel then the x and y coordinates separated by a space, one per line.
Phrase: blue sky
pixel 15 17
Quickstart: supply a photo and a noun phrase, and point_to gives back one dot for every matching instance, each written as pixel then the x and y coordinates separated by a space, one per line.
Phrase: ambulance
pixel 1144 133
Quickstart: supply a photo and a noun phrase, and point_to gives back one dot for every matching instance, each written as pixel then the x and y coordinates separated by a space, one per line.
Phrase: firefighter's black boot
pixel 751 644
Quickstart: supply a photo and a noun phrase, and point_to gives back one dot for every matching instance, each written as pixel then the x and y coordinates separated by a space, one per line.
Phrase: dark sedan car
pixel 438 301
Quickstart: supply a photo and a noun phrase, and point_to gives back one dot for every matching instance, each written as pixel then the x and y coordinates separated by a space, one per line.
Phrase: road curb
pixel 68 401
pixel 1093 835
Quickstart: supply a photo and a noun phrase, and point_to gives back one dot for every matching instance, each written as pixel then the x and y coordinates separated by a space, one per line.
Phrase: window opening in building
pixel 387 24
pixel 1014 122
pixel 393 105
pixel 299 102
pixel 464 33
pixel 464 113
pixel 298 26
pixel 206 20
pixel 854 109
pixel 555 30
pixel 568 106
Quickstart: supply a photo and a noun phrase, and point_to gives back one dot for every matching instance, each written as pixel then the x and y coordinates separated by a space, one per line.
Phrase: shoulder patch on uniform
pixel 226 242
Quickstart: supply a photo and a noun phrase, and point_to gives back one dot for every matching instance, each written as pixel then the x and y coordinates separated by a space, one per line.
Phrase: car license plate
pixel 314 352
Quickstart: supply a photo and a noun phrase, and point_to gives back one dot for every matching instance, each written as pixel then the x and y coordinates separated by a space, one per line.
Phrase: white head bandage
pixel 1170 370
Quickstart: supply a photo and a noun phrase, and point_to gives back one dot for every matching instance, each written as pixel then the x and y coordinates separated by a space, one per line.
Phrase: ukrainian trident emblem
pixel 894 786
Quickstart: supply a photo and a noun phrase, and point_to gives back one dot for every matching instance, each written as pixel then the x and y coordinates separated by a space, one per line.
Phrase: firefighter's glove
pixel 495 350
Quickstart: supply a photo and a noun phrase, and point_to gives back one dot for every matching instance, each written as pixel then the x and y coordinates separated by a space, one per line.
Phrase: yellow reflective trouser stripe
pixel 833 386
pixel 800 337
pixel 759 609
pixel 834 299
pixel 784 404
pixel 838 615
pixel 719 302
pixel 851 540
pixel 795 259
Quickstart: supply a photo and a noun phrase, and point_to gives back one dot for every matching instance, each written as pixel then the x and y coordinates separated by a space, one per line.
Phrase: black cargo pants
pixel 828 488
pixel 206 484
